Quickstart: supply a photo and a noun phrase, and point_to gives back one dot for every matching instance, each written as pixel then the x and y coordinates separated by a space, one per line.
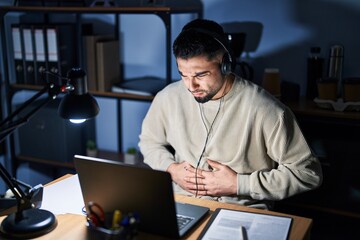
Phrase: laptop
pixel 115 185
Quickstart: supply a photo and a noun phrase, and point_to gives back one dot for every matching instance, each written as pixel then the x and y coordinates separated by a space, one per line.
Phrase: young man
pixel 222 137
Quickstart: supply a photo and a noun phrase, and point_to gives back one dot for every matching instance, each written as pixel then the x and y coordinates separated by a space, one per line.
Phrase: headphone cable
pixel 207 136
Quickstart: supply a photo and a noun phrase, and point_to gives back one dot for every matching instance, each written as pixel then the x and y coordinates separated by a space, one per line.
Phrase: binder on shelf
pixel 40 53
pixel 108 64
pixel 29 55
pixel 18 54
pixel 68 54
pixel 89 43
pixel 61 55
pixel 52 56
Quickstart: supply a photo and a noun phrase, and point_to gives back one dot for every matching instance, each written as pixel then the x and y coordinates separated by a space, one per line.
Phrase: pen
pixel 242 233
pixel 116 219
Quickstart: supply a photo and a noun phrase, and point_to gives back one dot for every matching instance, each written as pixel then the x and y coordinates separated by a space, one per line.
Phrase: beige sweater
pixel 254 134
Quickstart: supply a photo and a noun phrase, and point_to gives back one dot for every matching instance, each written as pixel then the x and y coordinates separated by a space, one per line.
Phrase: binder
pixel 29 55
pixel 40 53
pixel 108 64
pixel 89 43
pixel 52 51
pixel 18 54
pixel 68 54
pixel 61 42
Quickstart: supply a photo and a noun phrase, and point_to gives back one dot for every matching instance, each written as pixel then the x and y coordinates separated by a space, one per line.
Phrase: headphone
pixel 226 65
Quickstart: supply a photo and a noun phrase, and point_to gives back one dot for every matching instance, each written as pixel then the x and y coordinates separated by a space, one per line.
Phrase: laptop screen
pixel 115 185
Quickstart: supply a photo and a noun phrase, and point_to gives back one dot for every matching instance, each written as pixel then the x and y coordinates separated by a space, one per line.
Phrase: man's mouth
pixel 198 93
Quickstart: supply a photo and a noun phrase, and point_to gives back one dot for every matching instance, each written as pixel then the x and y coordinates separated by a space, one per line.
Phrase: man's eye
pixel 201 75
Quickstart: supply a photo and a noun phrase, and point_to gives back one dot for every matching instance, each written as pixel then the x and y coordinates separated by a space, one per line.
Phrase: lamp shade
pixel 74 106
pixel 78 103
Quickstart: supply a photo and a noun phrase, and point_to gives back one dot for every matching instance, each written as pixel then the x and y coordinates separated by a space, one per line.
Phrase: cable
pixel 207 135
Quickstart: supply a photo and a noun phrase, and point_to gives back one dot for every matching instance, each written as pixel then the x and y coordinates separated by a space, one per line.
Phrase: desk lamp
pixel 77 105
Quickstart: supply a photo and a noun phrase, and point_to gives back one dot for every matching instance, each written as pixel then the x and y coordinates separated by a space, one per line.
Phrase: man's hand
pixel 221 181
pixel 180 172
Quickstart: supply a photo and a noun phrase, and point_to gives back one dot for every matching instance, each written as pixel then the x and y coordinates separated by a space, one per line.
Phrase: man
pixel 222 137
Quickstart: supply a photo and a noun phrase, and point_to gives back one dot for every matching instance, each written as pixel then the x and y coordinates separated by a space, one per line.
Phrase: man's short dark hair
pixel 198 38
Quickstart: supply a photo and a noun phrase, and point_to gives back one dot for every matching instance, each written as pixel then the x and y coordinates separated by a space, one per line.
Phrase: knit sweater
pixel 254 134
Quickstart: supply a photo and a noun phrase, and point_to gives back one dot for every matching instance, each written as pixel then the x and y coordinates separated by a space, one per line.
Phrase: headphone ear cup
pixel 226 64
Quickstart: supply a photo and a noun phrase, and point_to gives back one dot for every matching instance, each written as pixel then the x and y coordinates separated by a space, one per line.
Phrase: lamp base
pixel 30 223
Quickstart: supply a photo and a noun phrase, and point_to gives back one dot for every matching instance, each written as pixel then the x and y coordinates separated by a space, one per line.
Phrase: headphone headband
pixel 227 62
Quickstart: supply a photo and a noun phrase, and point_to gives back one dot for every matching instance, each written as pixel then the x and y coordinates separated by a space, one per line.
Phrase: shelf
pixel 309 108
pixel 102 10
pixel 19 87
pixel 103 154
pixel 52 163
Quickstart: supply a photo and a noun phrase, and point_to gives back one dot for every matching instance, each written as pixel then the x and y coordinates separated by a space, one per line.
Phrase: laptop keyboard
pixel 183 221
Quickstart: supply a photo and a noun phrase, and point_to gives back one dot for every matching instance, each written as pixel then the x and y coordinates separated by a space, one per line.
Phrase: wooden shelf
pixel 308 107
pixel 120 10
pixel 47 162
pixel 19 87
pixel 104 154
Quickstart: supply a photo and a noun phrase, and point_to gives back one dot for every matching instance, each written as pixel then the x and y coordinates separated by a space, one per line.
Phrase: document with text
pixel 233 224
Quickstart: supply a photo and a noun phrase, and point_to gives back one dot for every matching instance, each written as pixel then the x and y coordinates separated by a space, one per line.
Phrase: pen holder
pixel 106 232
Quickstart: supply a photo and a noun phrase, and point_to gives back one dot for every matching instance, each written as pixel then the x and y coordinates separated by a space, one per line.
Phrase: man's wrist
pixel 243 184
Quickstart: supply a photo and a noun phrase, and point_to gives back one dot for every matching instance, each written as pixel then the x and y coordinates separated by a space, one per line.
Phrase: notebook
pixel 115 185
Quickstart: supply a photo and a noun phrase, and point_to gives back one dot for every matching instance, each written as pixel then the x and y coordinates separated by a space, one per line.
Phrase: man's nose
pixel 193 83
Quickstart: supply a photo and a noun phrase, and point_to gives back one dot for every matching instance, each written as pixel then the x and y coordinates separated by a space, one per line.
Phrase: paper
pixel 232 224
pixel 63 197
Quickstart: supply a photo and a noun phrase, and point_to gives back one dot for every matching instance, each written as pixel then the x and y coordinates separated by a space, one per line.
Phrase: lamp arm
pixel 18 123
pixel 52 89
pixel 24 105
pixel 14 187
pixel 7 126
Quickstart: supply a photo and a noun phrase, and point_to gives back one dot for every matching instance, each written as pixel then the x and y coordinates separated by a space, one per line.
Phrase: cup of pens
pixel 114 225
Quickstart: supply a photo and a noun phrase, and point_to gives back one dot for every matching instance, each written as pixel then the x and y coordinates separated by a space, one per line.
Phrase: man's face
pixel 202 77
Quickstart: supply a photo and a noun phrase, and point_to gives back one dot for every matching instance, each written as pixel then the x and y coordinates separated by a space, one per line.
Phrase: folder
pixel 40 54
pixel 89 43
pixel 52 55
pixel 108 64
pixel 29 57
pixel 18 54
pixel 69 55
pixel 61 53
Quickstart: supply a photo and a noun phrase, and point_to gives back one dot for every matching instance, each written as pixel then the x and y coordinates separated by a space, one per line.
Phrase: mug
pixel 271 81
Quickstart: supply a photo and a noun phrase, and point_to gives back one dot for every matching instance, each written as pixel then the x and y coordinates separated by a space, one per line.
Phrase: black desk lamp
pixel 77 105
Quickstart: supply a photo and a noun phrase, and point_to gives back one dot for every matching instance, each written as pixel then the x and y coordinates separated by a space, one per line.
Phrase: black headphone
pixel 226 66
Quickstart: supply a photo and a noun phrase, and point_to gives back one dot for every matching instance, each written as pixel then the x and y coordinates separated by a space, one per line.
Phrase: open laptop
pixel 115 185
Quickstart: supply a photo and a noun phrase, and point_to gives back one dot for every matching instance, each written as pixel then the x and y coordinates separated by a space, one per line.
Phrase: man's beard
pixel 208 96
pixel 205 99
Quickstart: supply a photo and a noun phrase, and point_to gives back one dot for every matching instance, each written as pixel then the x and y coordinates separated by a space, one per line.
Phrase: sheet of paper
pixel 232 224
pixel 63 197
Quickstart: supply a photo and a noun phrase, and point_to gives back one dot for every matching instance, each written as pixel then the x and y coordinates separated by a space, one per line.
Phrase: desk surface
pixel 71 226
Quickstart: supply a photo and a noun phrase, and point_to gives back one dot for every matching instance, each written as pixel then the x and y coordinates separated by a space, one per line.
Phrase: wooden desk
pixel 71 226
